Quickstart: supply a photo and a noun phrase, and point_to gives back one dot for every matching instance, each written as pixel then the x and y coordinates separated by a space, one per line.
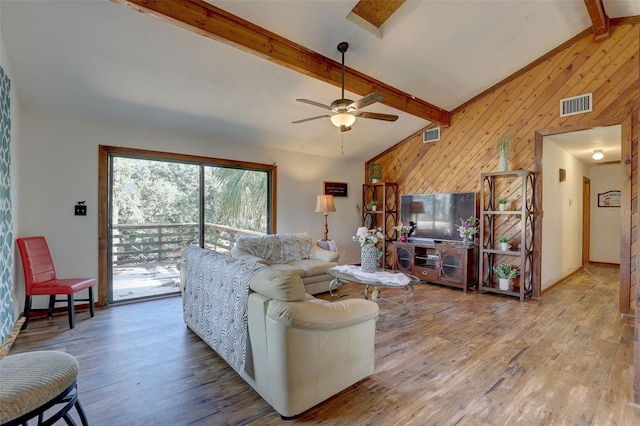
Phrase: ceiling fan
pixel 344 111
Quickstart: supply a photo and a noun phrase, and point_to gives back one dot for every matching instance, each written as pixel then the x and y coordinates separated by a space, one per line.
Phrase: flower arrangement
pixel 468 228
pixel 503 239
pixel 403 227
pixel 366 236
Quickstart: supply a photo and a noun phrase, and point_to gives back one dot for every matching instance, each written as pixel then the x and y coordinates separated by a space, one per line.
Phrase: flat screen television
pixel 434 216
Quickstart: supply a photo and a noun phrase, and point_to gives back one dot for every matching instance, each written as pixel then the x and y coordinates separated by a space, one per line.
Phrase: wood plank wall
pixel 521 105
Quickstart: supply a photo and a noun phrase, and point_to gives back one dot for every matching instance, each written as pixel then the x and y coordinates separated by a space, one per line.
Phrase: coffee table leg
pixel 335 281
pixel 403 304
pixel 407 297
pixel 374 294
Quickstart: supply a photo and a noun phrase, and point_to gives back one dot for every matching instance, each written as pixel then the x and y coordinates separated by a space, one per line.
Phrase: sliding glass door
pixel 158 204
pixel 154 212
pixel 236 202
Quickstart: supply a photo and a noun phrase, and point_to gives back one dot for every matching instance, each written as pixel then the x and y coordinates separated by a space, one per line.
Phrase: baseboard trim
pixel 604 264
pixel 60 310
pixel 566 277
pixel 560 281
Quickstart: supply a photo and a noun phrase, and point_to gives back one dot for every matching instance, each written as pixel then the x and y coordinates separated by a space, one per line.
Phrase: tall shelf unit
pixel 517 222
pixel 385 216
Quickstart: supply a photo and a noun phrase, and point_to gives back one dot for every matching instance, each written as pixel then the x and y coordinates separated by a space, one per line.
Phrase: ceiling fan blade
pixel 371 98
pixel 309 119
pixel 318 104
pixel 376 116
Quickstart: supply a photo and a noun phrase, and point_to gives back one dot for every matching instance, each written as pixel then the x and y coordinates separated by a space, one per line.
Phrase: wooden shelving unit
pixel 517 222
pixel 385 216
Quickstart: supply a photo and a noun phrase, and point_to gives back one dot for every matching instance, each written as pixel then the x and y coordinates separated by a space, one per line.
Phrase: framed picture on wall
pixel 609 199
pixel 337 189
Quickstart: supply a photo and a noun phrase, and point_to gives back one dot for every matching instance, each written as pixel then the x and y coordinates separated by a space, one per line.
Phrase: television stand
pixel 437 263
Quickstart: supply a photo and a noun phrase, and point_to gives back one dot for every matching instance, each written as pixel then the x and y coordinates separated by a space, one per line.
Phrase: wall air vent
pixel 431 135
pixel 576 105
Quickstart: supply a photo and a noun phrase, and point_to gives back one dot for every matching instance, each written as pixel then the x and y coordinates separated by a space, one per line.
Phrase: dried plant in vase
pixel 503 147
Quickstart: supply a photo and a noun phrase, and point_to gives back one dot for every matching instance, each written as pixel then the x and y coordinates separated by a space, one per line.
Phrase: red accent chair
pixel 40 280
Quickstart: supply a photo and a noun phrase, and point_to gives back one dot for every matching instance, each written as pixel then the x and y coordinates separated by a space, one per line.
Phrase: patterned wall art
pixel 6 221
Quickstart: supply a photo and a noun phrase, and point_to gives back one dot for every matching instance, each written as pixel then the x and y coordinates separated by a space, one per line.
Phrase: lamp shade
pixel 417 207
pixel 343 119
pixel 325 204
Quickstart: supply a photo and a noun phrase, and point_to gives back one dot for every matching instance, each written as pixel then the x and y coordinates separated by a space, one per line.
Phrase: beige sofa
pixel 296 253
pixel 298 350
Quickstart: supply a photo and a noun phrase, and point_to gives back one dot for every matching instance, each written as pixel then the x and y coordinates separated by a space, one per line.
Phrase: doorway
pixel 548 240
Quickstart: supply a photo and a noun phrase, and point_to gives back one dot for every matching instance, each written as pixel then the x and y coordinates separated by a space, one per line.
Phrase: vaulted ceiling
pixel 232 70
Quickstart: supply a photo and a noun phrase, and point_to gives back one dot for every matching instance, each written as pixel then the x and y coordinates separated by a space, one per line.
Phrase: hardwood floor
pixel 463 359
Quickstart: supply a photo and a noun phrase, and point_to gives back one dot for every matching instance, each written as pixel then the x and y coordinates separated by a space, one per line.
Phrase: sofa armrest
pixel 319 314
pixel 318 253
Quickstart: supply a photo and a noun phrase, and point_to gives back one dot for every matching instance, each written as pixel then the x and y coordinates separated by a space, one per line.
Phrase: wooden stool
pixel 33 382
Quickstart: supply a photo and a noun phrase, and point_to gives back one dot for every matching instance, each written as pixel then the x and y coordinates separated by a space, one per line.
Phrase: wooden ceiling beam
pixel 207 20
pixel 599 19
pixel 376 12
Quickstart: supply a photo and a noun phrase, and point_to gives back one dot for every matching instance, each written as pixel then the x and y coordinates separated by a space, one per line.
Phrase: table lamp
pixel 324 205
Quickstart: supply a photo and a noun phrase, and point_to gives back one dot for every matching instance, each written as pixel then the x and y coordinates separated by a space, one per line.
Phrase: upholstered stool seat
pixel 34 382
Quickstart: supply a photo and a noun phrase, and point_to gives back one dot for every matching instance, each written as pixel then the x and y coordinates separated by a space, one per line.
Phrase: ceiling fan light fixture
pixel 343 119
pixel 597 154
pixel 344 111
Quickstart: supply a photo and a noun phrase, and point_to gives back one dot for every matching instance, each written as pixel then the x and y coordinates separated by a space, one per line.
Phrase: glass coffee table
pixel 377 281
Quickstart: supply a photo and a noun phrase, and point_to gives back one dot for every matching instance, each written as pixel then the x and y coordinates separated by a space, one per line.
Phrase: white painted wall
pixel 59 166
pixel 562 214
pixel 605 221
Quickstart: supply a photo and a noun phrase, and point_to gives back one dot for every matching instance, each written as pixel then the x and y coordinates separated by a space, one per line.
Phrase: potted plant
pixel 502 203
pixel 504 242
pixel 505 273
pixel 374 205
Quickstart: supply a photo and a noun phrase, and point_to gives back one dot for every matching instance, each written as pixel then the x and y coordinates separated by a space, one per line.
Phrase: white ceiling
pixel 581 144
pixel 101 59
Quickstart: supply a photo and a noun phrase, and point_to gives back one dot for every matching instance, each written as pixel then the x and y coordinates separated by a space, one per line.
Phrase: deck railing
pixel 144 243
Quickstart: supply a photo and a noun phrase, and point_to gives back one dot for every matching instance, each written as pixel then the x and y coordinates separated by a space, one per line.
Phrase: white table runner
pixel 383 277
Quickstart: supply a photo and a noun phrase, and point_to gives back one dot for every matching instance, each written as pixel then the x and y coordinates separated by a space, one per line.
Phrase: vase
pixel 369 258
pixel 403 238
pixel 504 246
pixel 502 162
pixel 503 283
pixel 467 241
